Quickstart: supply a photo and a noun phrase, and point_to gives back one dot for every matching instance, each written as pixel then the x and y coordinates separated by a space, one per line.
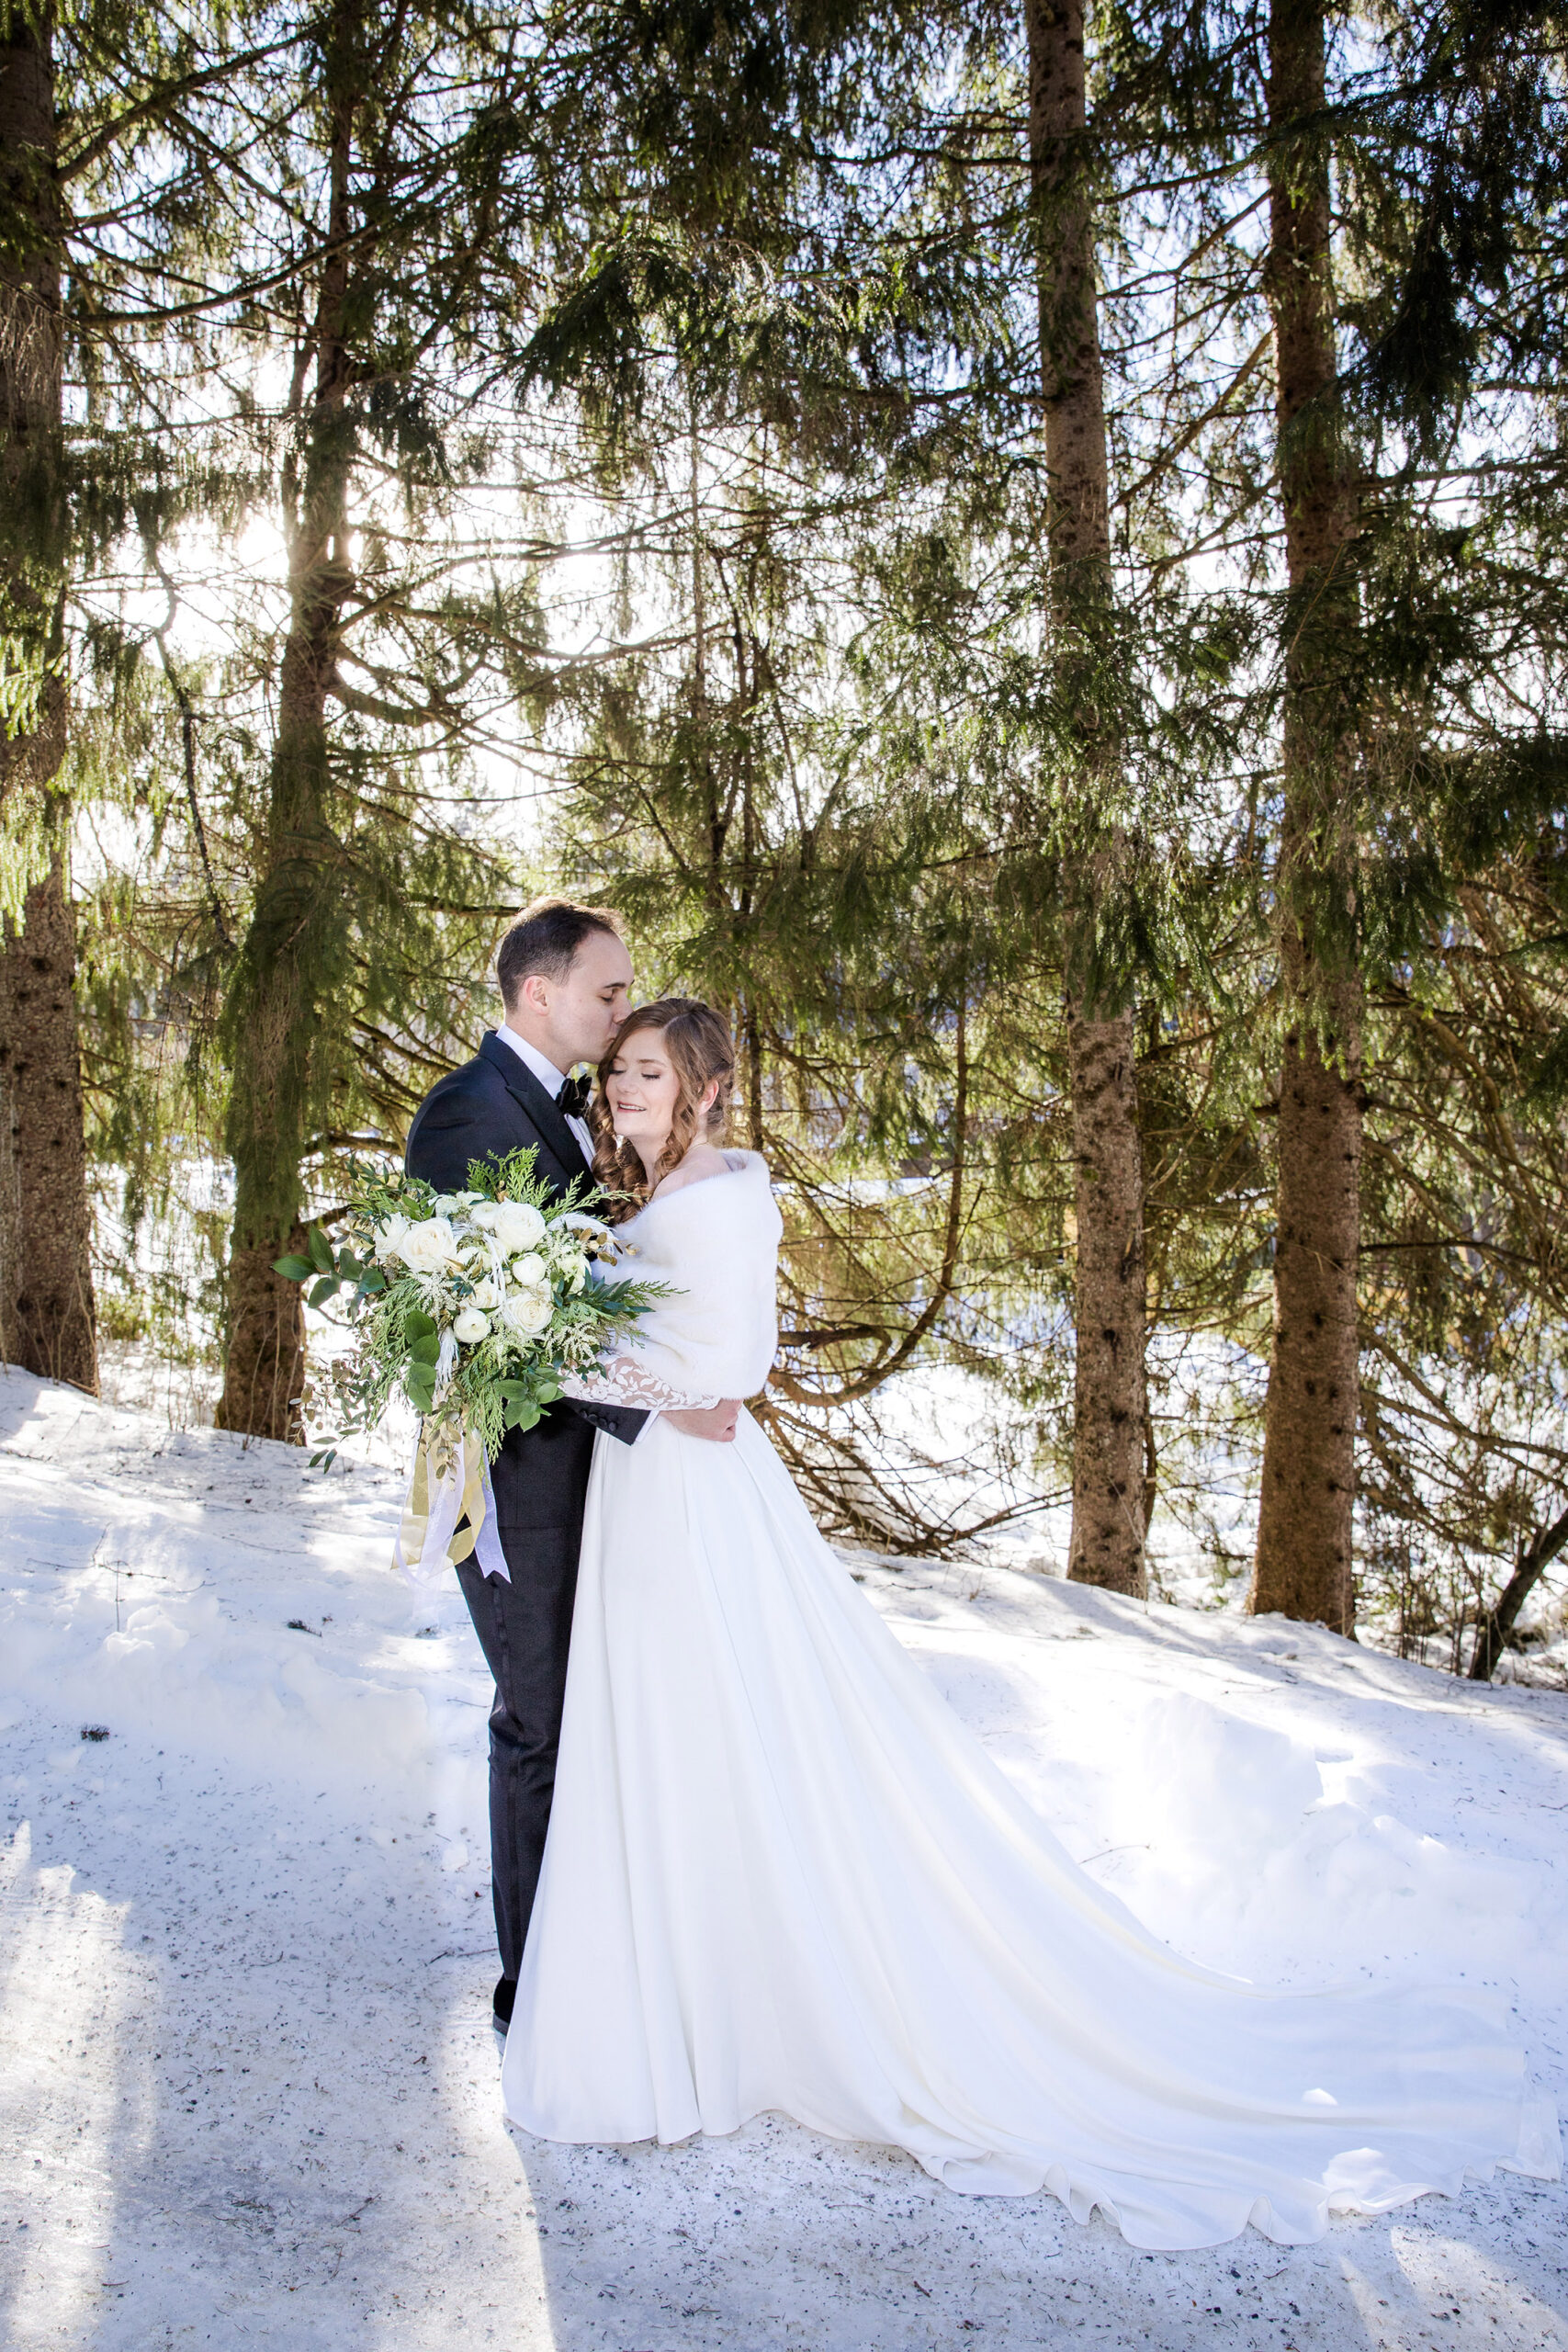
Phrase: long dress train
pixel 780 1874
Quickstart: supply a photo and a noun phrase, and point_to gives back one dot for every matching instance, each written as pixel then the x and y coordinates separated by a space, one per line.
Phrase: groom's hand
pixel 717 1422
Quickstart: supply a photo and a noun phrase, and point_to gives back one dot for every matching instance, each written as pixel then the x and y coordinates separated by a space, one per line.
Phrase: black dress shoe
pixel 500 2005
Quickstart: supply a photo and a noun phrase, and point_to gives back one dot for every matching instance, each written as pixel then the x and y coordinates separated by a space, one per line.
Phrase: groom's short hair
pixel 546 938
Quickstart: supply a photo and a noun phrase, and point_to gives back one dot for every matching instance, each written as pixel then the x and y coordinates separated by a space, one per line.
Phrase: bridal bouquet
pixel 473 1303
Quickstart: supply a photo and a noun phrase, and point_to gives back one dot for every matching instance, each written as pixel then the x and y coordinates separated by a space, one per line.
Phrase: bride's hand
pixel 717 1422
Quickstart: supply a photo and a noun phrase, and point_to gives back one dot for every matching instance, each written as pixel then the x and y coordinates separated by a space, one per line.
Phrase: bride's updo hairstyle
pixel 698 1042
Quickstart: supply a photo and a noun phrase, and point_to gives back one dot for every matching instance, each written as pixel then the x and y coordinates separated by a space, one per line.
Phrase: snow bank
pixel 1273 1800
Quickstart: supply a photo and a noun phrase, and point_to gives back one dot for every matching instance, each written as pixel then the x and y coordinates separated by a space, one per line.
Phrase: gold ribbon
pixel 450 1484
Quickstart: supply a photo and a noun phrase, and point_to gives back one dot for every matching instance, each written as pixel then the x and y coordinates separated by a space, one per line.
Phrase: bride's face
pixel 642 1092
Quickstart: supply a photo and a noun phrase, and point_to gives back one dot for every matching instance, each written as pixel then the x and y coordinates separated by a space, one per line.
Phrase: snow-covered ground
pixel 248 2090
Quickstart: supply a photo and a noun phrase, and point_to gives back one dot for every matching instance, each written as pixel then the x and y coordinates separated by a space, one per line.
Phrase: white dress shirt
pixel 550 1079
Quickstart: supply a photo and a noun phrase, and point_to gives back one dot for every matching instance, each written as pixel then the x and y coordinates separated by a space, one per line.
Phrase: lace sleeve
pixel 622 1380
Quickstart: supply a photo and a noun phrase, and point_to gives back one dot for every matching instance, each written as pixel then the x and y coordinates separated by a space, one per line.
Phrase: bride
pixel 781 1875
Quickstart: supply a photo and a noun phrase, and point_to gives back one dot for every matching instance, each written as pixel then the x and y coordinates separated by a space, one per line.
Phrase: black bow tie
pixel 572 1099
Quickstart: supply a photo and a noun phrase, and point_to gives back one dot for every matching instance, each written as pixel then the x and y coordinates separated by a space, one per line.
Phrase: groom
pixel 565 981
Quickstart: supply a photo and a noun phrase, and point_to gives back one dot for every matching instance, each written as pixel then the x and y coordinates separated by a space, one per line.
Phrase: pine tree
pixel 277 1002
pixel 45 1281
pixel 1391 655
pixel 1110 1406
pixel 1306 1523
pixel 420 141
pixel 101 209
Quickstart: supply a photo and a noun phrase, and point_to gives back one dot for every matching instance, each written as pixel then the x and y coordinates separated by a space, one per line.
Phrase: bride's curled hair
pixel 701 1054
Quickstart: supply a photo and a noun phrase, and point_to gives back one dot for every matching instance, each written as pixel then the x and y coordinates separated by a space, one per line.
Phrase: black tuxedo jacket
pixel 493 1106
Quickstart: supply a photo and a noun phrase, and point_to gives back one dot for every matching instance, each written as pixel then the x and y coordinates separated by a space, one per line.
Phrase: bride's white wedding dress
pixel 781 1875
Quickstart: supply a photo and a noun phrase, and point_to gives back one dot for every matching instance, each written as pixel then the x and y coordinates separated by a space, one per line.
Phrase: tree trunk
pixel 1494 1625
pixel 1109 1402
pixel 1303 1566
pixel 47 1319
pixel 272 1018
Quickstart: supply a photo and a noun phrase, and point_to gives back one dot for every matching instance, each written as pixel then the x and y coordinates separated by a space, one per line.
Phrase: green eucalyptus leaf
pixel 293 1270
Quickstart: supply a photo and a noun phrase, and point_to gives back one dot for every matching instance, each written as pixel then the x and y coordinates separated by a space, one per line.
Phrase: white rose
pixel 530 1271
pixel 485 1293
pixel 429 1245
pixel 527 1311
pixel 572 1267
pixel 516 1226
pixel 387 1240
pixel 471 1326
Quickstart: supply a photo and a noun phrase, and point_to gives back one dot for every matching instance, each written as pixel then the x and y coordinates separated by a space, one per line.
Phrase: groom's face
pixel 589 1005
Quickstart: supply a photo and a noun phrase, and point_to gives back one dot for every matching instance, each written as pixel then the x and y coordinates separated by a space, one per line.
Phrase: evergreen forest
pixel 1023 548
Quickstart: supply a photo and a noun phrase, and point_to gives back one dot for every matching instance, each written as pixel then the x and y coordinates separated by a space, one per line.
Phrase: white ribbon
pixel 450 1478
pixel 487 1540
